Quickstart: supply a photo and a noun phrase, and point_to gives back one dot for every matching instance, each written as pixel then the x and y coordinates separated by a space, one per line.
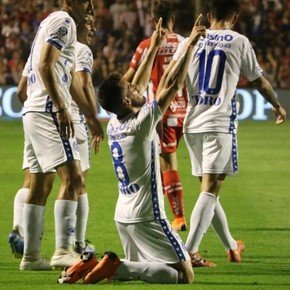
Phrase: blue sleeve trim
pixel 54 43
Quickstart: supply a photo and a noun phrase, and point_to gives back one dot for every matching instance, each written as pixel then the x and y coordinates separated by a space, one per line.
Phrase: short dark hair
pixel 163 9
pixel 223 9
pixel 110 92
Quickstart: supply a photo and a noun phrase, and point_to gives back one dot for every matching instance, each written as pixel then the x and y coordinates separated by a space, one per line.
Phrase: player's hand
pixel 97 132
pixel 66 127
pixel 198 30
pixel 280 115
pixel 159 34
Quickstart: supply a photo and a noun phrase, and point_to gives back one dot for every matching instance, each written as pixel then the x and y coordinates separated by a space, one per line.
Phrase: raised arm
pixel 175 74
pixel 142 76
pixel 266 90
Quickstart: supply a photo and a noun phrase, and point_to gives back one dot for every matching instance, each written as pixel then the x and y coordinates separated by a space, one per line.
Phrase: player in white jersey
pixel 83 70
pixel 153 251
pixel 210 124
pixel 49 133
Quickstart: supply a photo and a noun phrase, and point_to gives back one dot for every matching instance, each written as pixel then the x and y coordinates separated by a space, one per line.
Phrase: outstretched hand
pixel 198 30
pixel 158 35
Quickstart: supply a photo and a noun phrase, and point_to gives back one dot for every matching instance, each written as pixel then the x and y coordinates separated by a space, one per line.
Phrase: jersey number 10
pixel 207 71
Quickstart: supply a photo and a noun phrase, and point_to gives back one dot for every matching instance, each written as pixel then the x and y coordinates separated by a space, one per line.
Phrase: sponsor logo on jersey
pixel 217 37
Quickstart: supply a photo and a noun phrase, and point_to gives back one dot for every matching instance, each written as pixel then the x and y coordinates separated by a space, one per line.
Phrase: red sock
pixel 173 189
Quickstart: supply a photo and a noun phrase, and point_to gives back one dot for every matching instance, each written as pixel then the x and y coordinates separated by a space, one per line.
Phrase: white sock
pixel 82 218
pixel 220 225
pixel 150 272
pixel 33 222
pixel 19 200
pixel 65 223
pixel 200 220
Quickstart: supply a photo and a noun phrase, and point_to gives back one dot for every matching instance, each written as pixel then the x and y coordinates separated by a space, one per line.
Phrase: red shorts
pixel 170 138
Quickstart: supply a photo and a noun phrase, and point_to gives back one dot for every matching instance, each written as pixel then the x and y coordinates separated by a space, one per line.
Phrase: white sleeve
pixel 179 50
pixel 250 67
pixel 84 60
pixel 60 32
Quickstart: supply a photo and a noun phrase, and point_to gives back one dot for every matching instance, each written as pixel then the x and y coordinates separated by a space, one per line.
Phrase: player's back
pixel 214 71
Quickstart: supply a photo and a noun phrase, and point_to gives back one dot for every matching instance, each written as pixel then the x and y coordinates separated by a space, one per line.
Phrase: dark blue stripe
pixel 48 105
pixel 172 239
pixel 232 128
pixel 155 203
pixel 65 141
pixel 54 43
pixel 85 69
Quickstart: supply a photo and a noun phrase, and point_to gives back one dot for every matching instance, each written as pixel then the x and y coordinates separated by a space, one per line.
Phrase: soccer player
pixel 153 250
pixel 210 123
pixel 83 71
pixel 49 133
pixel 172 121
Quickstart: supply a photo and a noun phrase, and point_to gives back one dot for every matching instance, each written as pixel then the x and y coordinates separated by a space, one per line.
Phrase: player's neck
pixel 221 25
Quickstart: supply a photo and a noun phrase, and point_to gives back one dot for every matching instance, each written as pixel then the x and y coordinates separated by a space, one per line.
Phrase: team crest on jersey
pixel 62 31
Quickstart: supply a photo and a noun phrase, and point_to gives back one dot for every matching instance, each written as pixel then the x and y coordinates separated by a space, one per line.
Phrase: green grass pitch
pixel 257 203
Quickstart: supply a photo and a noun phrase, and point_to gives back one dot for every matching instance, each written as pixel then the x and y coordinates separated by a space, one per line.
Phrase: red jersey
pixel 176 112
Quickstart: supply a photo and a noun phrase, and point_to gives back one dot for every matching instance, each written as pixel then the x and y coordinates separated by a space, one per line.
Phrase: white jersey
pixel 218 61
pixel 84 63
pixel 59 30
pixel 133 146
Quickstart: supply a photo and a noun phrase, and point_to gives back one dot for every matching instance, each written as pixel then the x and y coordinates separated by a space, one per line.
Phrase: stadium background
pixel 257 202
pixel 121 24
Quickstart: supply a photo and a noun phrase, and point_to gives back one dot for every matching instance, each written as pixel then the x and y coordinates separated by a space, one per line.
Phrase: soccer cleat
pixel 235 256
pixel 16 242
pixel 63 258
pixel 106 268
pixel 84 247
pixel 179 224
pixel 79 270
pixel 197 260
pixel 38 265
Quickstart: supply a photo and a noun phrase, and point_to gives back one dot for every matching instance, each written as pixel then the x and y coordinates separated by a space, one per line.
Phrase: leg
pixel 19 201
pixel 172 186
pixel 203 212
pixel 220 224
pixel 33 216
pixel 65 213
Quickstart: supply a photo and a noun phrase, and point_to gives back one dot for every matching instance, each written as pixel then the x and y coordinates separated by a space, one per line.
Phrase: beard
pixel 138 102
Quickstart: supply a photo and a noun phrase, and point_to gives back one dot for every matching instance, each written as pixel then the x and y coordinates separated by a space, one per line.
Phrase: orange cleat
pixel 79 270
pixel 179 224
pixel 197 260
pixel 105 269
pixel 235 256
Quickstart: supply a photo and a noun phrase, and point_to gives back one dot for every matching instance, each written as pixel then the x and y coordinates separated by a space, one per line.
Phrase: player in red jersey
pixel 171 127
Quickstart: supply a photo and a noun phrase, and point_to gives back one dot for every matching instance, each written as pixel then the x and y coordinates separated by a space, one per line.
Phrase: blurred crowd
pixel 121 24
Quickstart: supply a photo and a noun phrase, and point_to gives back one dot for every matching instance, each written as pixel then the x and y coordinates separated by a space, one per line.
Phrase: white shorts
pixel 152 241
pixel 44 148
pixel 212 152
pixel 82 137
